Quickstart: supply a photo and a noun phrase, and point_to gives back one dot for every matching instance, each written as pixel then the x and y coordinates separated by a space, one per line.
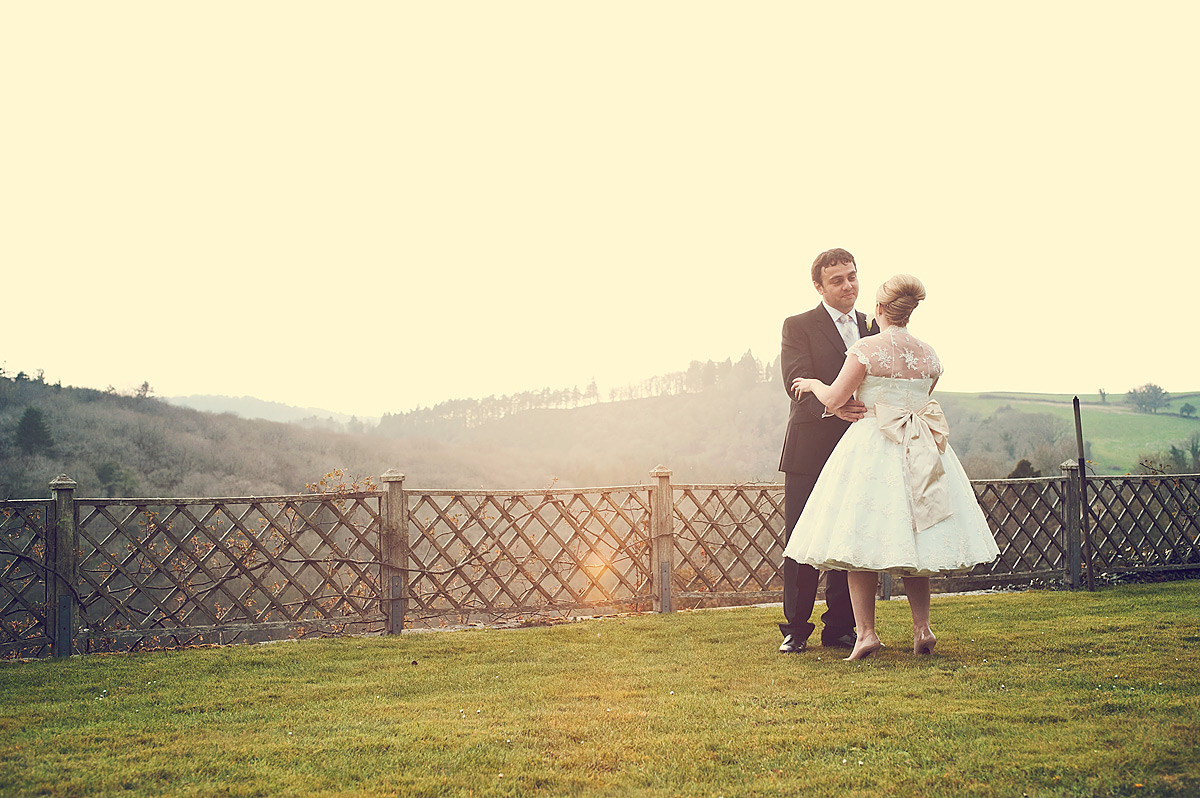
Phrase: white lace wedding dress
pixel 864 514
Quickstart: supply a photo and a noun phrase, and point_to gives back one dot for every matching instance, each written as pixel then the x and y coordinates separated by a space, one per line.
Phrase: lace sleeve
pixel 857 350
pixel 935 363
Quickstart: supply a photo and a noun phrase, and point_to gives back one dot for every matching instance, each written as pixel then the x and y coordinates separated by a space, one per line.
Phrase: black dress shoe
pixel 792 645
pixel 845 641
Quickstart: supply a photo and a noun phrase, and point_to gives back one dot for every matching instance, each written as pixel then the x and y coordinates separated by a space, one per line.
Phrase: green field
pixel 1041 693
pixel 1119 435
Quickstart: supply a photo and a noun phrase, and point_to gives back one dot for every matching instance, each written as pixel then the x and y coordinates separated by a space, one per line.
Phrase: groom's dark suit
pixel 812 347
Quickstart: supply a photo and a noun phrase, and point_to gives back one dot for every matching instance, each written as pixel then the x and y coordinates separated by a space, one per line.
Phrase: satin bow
pixel 923 433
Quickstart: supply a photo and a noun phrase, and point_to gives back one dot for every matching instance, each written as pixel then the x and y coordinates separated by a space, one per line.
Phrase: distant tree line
pixel 699 377
pixel 471 413
pixel 713 422
pixel 135 445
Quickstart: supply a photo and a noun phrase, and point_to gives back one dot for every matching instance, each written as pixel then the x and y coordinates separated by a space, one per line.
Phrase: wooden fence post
pixel 662 537
pixel 60 556
pixel 1072 529
pixel 393 571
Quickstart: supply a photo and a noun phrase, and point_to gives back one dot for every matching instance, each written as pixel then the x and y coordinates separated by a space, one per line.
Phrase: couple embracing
pixel 870 483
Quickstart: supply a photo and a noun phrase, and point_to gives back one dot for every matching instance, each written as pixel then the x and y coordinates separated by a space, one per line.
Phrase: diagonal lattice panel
pixel 728 538
pixel 23 628
pixel 1145 523
pixel 620 545
pixel 319 548
pixel 512 539
pixel 356 545
pixel 222 556
pixel 130 571
pixel 1027 519
pixel 442 557
pixel 1118 508
pixel 1179 498
pixel 204 569
pixel 498 553
pixel 571 580
pixel 329 545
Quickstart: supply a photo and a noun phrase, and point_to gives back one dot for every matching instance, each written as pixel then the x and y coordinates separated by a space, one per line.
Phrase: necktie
pixel 848 328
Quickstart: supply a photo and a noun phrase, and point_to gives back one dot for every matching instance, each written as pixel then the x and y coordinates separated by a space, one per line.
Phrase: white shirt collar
pixel 836 314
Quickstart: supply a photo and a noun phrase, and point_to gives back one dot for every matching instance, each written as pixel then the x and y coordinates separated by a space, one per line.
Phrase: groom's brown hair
pixel 830 257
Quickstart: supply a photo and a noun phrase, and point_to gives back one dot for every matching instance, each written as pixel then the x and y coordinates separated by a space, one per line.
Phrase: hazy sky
pixel 369 206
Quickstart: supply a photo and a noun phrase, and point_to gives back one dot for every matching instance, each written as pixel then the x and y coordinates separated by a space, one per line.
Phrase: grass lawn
pixel 1037 693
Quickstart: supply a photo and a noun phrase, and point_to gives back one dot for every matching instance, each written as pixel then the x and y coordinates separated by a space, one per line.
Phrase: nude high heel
pixel 925 644
pixel 864 651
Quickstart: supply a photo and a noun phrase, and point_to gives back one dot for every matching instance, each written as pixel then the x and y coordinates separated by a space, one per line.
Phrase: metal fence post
pixel 662 537
pixel 1072 528
pixel 393 571
pixel 61 583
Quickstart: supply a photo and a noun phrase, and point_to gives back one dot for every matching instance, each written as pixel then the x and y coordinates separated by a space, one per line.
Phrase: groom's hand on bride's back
pixel 853 410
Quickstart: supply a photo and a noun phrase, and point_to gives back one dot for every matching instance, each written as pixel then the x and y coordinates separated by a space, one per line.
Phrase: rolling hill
pixel 730 432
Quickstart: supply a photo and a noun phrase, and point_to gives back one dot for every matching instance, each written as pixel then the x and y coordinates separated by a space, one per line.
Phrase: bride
pixel 892 497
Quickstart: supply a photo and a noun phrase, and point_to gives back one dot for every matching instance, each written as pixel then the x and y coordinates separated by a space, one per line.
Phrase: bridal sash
pixel 923 433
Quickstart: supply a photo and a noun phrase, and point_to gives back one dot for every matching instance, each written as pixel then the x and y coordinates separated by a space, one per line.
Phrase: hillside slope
pixel 119 445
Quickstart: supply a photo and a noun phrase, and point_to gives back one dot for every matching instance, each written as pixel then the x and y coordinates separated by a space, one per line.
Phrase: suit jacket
pixel 812 347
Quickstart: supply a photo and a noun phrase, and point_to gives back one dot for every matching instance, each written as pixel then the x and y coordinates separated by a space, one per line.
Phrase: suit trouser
pixel 800 580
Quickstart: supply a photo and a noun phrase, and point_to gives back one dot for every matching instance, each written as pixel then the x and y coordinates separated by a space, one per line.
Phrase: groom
pixel 814 345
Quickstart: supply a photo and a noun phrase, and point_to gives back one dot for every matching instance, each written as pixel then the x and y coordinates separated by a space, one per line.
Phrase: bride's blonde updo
pixel 899 297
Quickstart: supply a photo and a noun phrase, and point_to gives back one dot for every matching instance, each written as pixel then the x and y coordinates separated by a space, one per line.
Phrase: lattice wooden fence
pixel 152 573
pixel 1145 524
pixel 25 629
pixel 176 572
pixel 728 543
pixel 1028 518
pixel 485 555
pixel 86 575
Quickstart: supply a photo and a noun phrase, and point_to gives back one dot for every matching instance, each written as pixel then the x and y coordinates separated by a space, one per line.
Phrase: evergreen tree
pixel 747 370
pixel 33 434
pixel 117 481
pixel 1024 470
